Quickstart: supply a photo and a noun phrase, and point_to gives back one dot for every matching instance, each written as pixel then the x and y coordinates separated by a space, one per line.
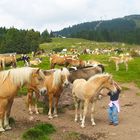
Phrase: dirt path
pixel 128 128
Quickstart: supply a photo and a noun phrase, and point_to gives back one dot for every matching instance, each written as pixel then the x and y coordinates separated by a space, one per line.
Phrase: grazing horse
pixel 56 59
pixel 122 59
pixel 35 62
pixel 85 73
pixel 8 61
pixel 88 91
pixel 10 82
pixel 75 63
pixel 55 83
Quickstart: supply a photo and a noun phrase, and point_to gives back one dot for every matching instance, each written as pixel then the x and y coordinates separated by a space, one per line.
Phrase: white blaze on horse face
pixel 64 77
pixel 65 80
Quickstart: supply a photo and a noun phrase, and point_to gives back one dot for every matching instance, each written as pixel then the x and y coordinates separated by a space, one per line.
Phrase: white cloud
pixel 57 14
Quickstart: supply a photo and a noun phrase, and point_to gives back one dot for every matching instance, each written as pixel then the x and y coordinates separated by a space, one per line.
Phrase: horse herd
pixel 86 83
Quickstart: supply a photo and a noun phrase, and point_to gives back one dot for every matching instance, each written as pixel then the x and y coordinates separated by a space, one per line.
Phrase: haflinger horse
pixel 55 84
pixel 75 63
pixel 10 82
pixel 121 59
pixel 7 60
pixel 56 59
pixel 88 91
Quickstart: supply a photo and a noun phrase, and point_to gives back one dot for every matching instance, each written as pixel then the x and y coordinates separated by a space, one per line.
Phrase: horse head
pixel 37 81
pixel 109 83
pixel 65 76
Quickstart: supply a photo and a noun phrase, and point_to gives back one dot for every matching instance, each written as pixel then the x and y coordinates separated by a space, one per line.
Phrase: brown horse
pixel 10 82
pixel 85 73
pixel 55 84
pixel 56 59
pixel 88 91
pixel 31 93
pixel 65 60
pixel 75 63
pixel 8 60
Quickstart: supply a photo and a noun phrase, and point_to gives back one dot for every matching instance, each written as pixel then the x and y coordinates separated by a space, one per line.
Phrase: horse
pixel 85 72
pixel 122 59
pixel 88 91
pixel 56 59
pixel 65 60
pixel 8 61
pixel 10 82
pixel 55 83
pixel 35 62
pixel 75 63
pixel 31 93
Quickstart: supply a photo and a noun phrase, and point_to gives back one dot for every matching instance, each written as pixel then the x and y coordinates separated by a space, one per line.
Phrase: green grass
pixel 72 136
pixel 39 132
pixel 79 44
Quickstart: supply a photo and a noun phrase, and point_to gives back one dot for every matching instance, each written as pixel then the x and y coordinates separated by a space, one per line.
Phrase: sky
pixel 57 14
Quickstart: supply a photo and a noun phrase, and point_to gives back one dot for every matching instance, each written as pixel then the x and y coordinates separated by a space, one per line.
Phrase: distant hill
pixel 126 29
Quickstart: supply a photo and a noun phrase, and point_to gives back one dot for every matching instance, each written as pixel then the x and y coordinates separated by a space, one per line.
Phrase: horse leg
pixel 126 65
pixel 117 66
pixel 76 108
pixel 36 100
pixel 7 115
pixel 29 101
pixel 50 106
pixel 81 105
pixel 92 113
pixel 3 104
pixel 56 106
pixel 84 113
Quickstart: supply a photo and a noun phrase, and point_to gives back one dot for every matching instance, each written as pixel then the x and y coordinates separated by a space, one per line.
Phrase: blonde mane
pixel 18 76
pixel 57 75
pixel 98 76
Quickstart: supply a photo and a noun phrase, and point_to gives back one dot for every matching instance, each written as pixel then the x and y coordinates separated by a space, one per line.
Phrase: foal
pixel 88 91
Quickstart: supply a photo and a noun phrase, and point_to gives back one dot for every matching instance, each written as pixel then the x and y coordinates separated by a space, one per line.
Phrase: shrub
pixel 39 132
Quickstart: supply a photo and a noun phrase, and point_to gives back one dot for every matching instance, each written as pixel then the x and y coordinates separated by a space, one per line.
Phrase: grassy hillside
pixel 80 44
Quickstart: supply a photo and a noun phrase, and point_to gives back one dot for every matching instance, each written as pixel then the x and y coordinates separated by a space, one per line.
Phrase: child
pixel 114 107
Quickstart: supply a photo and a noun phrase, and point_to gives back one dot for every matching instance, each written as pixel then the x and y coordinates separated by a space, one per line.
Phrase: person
pixel 114 106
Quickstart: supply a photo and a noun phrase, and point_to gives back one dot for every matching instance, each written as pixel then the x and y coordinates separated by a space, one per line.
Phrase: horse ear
pixel 110 76
pixel 37 71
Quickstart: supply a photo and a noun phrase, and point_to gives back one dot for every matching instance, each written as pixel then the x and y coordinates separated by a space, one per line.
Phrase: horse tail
pixel 102 67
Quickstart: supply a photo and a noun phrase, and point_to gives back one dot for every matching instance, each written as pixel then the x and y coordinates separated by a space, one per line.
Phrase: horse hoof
pixel 50 117
pixel 93 124
pixel 75 120
pixel 2 130
pixel 55 115
pixel 8 128
pixel 82 126
pixel 37 113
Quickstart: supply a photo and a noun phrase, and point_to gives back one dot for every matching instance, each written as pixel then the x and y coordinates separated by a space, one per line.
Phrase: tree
pixel 45 36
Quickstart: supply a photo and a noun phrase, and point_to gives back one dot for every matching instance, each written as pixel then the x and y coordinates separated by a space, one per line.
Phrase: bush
pixel 39 132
